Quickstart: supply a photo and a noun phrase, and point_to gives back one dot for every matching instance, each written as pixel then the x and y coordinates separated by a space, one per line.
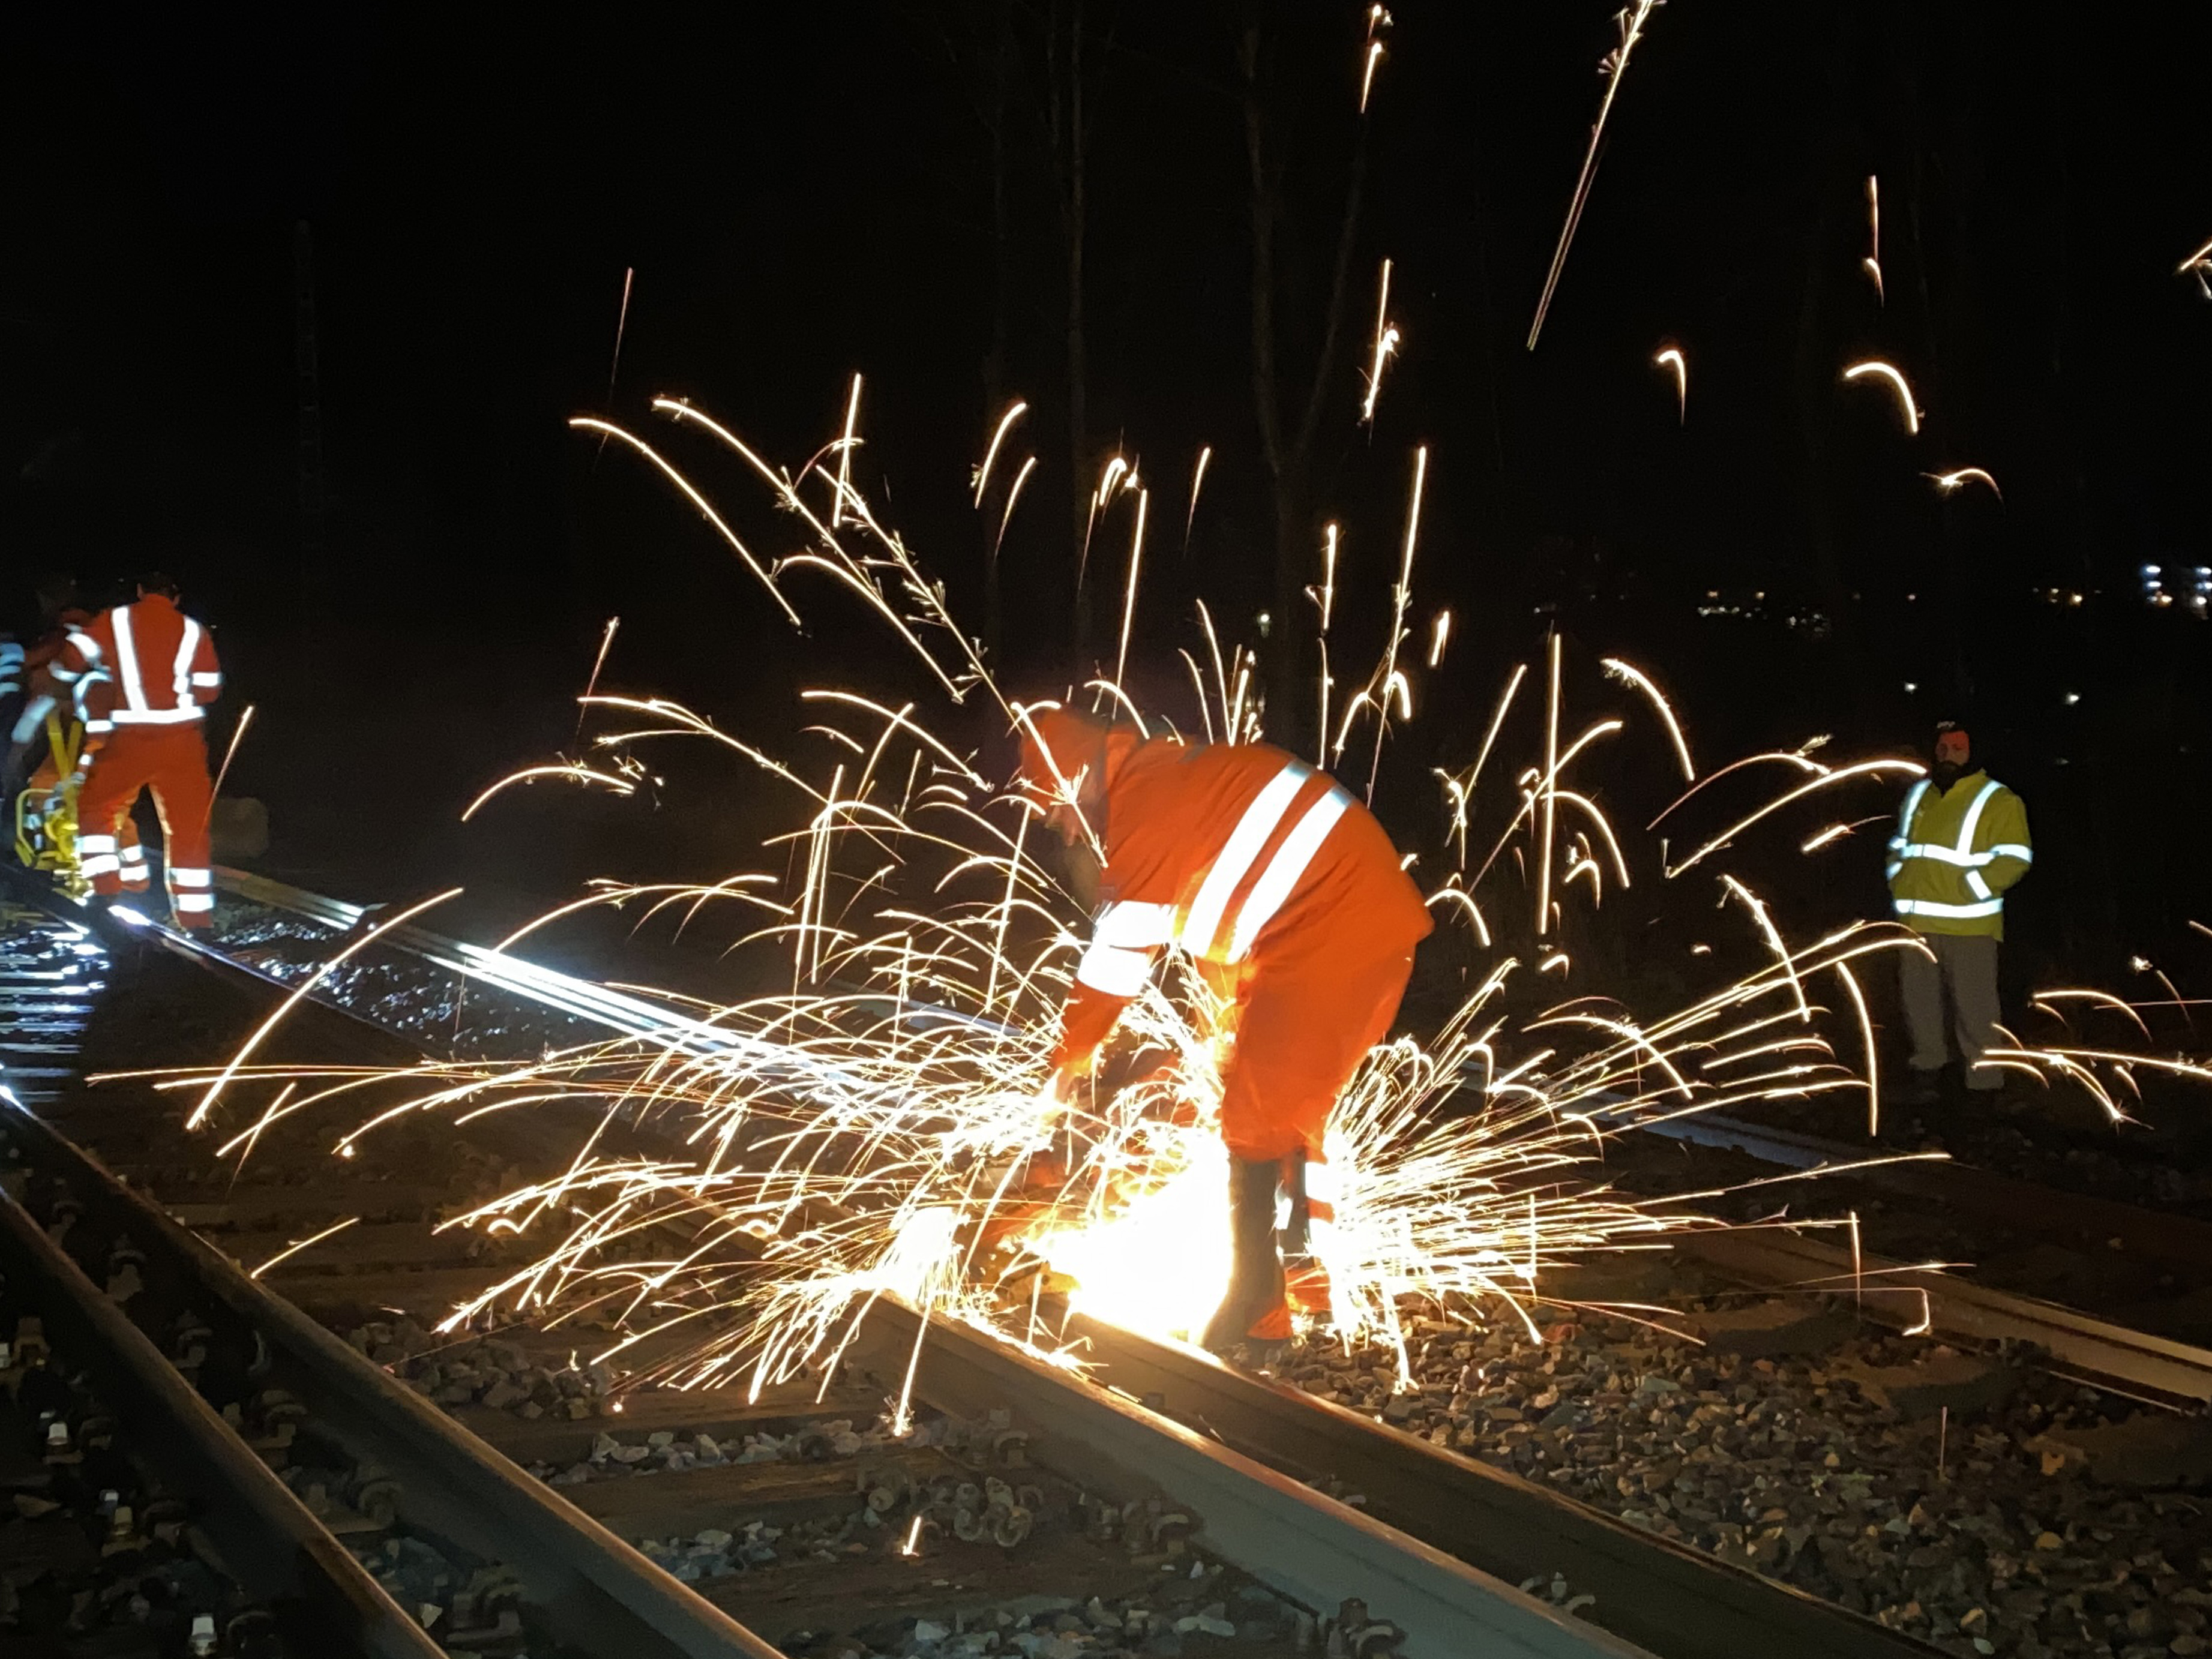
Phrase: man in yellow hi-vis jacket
pixel 1961 841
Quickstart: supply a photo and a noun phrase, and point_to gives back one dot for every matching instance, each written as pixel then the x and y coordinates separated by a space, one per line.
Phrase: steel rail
pixel 1652 1592
pixel 265 1538
pixel 2157 1234
pixel 1309 1548
pixel 604 1596
pixel 1316 1551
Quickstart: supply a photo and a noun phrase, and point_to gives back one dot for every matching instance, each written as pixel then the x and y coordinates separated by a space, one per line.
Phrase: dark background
pixel 805 192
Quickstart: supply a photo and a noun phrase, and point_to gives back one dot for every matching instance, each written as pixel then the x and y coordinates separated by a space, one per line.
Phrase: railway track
pixel 1029 1514
pixel 1662 1597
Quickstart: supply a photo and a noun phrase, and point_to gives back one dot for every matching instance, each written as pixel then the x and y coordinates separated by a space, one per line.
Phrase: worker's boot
pixel 1252 1309
pixel 1305 1281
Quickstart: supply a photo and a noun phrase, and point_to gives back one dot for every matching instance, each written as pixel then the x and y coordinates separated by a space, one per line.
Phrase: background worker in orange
pixel 144 731
pixel 1293 900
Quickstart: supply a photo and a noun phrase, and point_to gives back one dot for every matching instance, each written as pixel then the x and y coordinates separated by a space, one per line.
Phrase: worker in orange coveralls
pixel 144 729
pixel 1292 897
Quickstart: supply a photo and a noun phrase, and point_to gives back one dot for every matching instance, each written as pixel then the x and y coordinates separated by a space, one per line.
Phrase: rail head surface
pixel 1660 1595
pixel 1310 1548
pixel 268 1542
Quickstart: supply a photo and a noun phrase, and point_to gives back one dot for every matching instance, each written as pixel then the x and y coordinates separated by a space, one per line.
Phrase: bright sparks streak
pixel 1550 794
pixel 585 422
pixel 1629 672
pixel 591 683
pixel 1012 495
pixel 574 771
pixel 1129 596
pixel 1378 21
pixel 1672 358
pixel 1385 347
pixel 845 457
pixel 1888 372
pixel 1631 21
pixel 298 1245
pixel 1197 482
pixel 991 454
pixel 237 732
pixel 1866 1047
pixel 622 322
pixel 1872 263
pixel 1439 636
pixel 1947 481
pixel 1400 596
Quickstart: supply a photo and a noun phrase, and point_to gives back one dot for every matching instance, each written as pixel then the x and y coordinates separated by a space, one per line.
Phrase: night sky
pixel 806 192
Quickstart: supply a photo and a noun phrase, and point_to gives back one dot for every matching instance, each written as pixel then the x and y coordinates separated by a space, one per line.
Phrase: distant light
pixel 1910 686
pixel 1910 597
pixel 2150 570
pixel 2072 697
pixel 2141 964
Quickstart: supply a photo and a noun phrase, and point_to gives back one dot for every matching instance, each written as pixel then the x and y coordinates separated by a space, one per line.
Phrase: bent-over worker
pixel 1293 901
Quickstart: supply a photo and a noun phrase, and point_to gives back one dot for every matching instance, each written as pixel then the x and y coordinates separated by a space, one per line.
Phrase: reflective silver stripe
pixel 1929 849
pixel 181 672
pixel 95 843
pixel 1913 797
pixel 86 646
pixel 34 714
pixel 136 853
pixel 1109 967
pixel 186 876
pixel 1974 819
pixel 157 716
pixel 1283 869
pixel 100 863
pixel 126 659
pixel 100 726
pixel 204 678
pixel 1135 925
pixel 2012 850
pixel 1974 882
pixel 1236 857
pixel 1930 908
pixel 188 903
pixel 66 676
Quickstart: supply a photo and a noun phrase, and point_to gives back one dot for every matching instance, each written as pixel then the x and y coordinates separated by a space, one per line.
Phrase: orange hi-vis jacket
pixel 1249 859
pixel 159 665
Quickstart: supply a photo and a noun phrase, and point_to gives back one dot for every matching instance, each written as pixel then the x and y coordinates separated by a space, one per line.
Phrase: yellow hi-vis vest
pixel 1955 852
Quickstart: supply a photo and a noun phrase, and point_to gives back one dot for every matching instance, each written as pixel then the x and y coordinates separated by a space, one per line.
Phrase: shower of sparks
pixel 1872 263
pixel 1630 22
pixel 743 1181
pixel 1385 348
pixel 229 753
pixel 614 368
pixel 573 771
pixel 1197 483
pixel 991 454
pixel 1948 482
pixel 1889 372
pixel 845 445
pixel 1378 23
pixel 1672 358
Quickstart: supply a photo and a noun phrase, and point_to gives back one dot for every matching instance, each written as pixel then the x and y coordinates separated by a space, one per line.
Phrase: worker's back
pixel 1259 854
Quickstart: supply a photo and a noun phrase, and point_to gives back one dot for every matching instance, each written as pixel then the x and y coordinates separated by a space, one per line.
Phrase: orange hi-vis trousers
pixel 170 761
